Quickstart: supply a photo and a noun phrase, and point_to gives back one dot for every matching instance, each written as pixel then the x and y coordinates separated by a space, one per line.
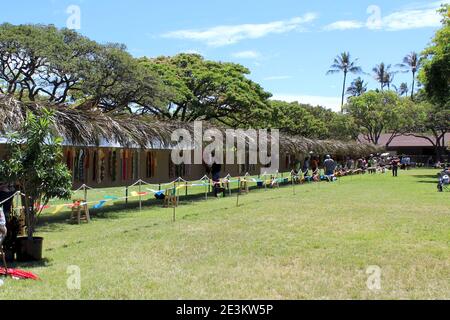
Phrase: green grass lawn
pixel 316 244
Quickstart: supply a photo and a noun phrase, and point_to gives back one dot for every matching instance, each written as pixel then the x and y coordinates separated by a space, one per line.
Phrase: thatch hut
pixel 105 150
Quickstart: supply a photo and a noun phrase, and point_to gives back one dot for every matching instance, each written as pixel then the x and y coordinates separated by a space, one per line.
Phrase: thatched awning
pixel 88 127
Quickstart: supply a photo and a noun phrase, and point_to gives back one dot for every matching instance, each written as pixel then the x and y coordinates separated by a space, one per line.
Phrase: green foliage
pixel 357 87
pixel 35 165
pixel 208 90
pixel 44 63
pixel 295 119
pixel 435 73
pixel 374 112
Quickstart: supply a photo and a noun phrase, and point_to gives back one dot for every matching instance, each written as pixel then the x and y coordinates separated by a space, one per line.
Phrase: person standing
pixel 314 165
pixel 215 171
pixel 329 165
pixel 3 230
pixel 395 163
pixel 305 168
pixel 6 191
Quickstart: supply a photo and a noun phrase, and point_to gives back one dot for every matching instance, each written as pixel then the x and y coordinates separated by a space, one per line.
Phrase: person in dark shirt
pixel 395 163
pixel 329 165
pixel 215 171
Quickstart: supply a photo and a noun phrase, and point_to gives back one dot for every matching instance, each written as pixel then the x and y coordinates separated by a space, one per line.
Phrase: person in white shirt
pixel 3 230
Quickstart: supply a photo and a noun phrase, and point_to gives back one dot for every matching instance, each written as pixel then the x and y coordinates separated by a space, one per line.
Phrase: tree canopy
pixel 435 72
pixel 208 90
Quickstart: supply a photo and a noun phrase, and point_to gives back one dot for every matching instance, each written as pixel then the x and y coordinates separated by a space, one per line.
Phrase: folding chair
pixel 170 198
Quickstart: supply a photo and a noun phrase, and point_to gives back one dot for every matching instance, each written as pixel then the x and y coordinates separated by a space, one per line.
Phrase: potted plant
pixel 35 165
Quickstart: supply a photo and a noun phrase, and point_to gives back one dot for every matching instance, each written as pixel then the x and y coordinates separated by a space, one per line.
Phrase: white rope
pixel 9 198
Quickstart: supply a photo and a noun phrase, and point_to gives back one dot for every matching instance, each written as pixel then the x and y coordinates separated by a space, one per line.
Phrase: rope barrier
pixel 177 184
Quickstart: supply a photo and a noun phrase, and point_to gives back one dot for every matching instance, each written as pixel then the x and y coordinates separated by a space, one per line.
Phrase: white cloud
pixel 344 25
pixel 246 54
pixel 411 17
pixel 272 78
pixel 333 103
pixel 191 51
pixel 231 34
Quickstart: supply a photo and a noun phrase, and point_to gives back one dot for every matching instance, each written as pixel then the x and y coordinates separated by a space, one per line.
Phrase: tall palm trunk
pixel 343 92
pixel 413 83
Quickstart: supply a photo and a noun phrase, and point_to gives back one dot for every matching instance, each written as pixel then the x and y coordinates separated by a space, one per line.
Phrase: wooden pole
pixel 239 192
pixel 177 193
pixel 140 196
pixel 293 184
pixel 126 195
pixel 86 205
pixel 174 213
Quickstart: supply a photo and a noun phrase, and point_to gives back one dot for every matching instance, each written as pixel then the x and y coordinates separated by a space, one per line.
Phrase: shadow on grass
pixel 27 265
pixel 57 222
pixel 426 176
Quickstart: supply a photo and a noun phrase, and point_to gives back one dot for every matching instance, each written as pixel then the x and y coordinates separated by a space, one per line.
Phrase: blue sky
pixel 287 44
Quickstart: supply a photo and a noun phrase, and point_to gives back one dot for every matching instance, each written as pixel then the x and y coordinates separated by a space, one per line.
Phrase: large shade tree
pixel 343 63
pixel 208 90
pixel 44 63
pixel 435 71
pixel 374 113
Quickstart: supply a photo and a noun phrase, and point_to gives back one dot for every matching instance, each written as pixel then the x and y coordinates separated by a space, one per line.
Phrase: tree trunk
pixel 343 92
pixel 413 83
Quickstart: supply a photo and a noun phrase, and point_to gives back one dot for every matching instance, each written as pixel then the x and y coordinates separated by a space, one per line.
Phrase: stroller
pixel 444 181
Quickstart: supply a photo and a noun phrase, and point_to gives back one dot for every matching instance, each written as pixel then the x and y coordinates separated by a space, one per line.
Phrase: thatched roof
pixel 85 126
pixel 302 145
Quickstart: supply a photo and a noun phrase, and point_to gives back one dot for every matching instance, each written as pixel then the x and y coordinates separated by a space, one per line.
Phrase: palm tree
pixel 343 63
pixel 388 79
pixel 383 75
pixel 412 63
pixel 357 87
pixel 403 89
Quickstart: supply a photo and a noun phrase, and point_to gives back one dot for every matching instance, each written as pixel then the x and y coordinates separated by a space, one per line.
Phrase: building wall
pixel 163 170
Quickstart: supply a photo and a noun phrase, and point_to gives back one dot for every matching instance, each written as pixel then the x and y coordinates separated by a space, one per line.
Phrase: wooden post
pixel 85 192
pixel 174 213
pixel 239 192
pixel 293 184
pixel 126 195
pixel 186 186
pixel 86 208
pixel 140 196
pixel 206 190
pixel 177 193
